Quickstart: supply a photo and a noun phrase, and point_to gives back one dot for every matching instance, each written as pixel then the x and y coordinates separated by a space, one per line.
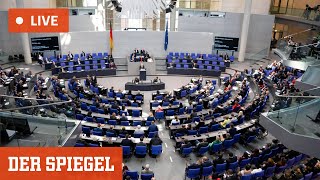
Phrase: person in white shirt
pixel 256 169
pixel 138 130
pixel 175 121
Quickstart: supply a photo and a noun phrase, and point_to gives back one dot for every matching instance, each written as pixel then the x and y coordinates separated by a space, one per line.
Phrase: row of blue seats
pixel 134 175
pixel 86 68
pixel 194 55
pixel 88 62
pixel 179 66
pixel 213 62
pixel 98 55
pixel 87 130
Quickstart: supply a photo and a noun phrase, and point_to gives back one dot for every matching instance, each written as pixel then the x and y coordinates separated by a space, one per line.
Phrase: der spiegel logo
pixel 38 20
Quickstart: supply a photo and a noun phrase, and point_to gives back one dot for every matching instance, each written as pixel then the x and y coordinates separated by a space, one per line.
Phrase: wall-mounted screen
pixel 45 44
pixel 226 43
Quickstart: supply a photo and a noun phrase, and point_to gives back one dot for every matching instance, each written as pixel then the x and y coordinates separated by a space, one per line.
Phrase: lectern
pixel 143 74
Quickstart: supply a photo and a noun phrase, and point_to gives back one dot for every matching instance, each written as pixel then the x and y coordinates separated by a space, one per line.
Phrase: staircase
pixel 122 66
pixel 161 66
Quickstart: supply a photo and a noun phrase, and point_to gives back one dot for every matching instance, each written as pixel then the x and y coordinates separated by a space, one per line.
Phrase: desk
pixel 80 74
pixel 111 140
pixel 154 95
pixel 144 86
pixel 215 133
pixel 107 116
pixel 116 127
pixel 143 75
pixel 203 72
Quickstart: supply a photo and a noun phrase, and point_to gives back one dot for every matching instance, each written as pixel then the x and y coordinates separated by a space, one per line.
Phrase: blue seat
pixel 101 111
pixel 123 112
pixel 255 160
pixel 183 93
pixel 215 127
pixel 175 103
pixel 88 119
pixel 84 106
pixel 113 111
pixel 134 104
pixel 110 134
pixel 86 130
pixel 134 175
pixel 181 111
pixel 93 108
pixel 156 150
pixel 298 159
pixel 216 148
pixel 79 116
pixel 199 108
pixel 136 113
pixel 124 123
pixel 101 120
pixel 228 144
pixel 159 115
pixel 193 173
pixel 136 123
pixel 221 168
pixel 138 135
pixel 216 115
pixel 126 151
pixel 308 176
pixel 280 169
pixel 244 162
pixel 247 177
pixel 164 104
pixel 203 150
pixel 236 138
pixel 148 123
pixel 207 171
pixel 192 132
pixel 203 130
pixel 146 176
pixel 186 151
pixel 259 175
pixel 79 145
pixel 233 166
pixel 170 112
pixel 141 151
pixel 209 67
pixel 290 162
pixel 97 133
pixel 93 145
pixel 250 139
pixel 112 122
pixel 269 171
pixel 87 68
pixel 152 134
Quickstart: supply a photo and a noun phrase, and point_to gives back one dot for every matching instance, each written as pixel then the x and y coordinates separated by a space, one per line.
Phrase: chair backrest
pixel 233 165
pixel 135 113
pixel 136 123
pixel 227 143
pixel 137 135
pixel 290 162
pixel 141 150
pixel 133 175
pixel 193 173
pixel 206 171
pixel 124 123
pixel 259 174
pixel 244 162
pixel 308 176
pixel 186 151
pixel 203 130
pixel 203 150
pixel 112 122
pixel 126 150
pixel 250 139
pixel 246 177
pixel 156 149
pixel 220 168
pixel 146 176
pixel 269 171
pixel 86 130
pixel 216 147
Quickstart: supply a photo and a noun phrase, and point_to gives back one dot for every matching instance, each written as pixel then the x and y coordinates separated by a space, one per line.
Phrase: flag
pixel 166 40
pixel 111 39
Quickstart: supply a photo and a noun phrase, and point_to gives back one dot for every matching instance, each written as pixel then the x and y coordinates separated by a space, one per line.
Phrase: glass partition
pixel 297 114
pixel 34 122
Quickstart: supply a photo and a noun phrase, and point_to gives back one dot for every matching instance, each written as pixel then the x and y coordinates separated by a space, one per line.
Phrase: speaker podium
pixel 143 74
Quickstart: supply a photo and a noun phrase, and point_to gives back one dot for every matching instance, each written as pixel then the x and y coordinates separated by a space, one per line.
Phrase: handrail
pixel 28 107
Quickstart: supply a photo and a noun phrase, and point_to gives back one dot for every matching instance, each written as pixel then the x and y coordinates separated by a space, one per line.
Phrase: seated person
pixel 146 169
pixel 136 80
pixel 111 130
pixel 123 131
pixel 185 144
pixel 231 159
pixel 150 117
pixel 153 127
pixel 159 109
pixel 199 145
pixel 175 121
pixel 194 165
pixel 123 117
pixel 127 141
pixel 156 80
pixel 219 160
pixel 138 130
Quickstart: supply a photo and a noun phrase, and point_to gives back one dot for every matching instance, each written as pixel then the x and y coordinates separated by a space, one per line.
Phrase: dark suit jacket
pixel 155 141
pixel 153 128
pixel 218 161
pixel 141 144
pixel 127 142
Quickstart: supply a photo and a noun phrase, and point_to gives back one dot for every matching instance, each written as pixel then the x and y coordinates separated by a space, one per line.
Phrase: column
pixel 173 19
pixel 25 39
pixel 245 30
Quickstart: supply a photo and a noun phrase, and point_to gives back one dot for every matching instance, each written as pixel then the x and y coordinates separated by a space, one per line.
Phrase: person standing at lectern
pixel 141 66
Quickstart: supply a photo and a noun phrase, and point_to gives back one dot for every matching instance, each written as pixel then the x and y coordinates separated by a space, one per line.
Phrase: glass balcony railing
pixel 297 114
pixel 310 15
pixel 34 123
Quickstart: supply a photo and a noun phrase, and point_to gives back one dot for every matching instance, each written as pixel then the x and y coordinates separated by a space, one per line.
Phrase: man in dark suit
pixel 219 160
pixel 205 162
pixel 123 117
pixel 111 130
pixel 204 143
pixel 231 159
pixel 141 143
pixel 185 144
pixel 153 127
pixel 123 131
pixel 127 141
pixel 232 131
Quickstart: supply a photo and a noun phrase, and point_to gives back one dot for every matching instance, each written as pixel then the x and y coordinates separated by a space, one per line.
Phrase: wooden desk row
pixel 214 134
pixel 107 116
pixel 111 140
